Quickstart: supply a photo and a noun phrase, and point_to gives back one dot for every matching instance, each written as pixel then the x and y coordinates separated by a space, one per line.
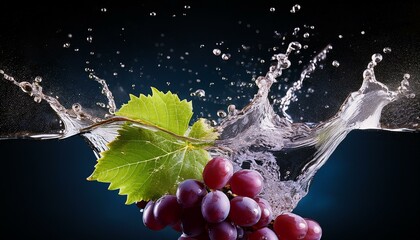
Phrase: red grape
pixel 167 210
pixel 290 226
pixel 247 183
pixel 222 231
pixel 217 172
pixel 193 223
pixel 215 207
pixel 266 213
pixel 190 193
pixel 149 219
pixel 314 230
pixel 244 211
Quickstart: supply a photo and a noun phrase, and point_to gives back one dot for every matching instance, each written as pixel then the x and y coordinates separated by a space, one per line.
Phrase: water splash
pixel 285 152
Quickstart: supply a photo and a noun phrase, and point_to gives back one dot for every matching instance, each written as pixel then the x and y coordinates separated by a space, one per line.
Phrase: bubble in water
pixel 217 52
pixel 272 9
pixel 103 9
pixel 387 50
pixel 335 63
pixel 295 8
pixel 38 79
pixel 306 35
pixel 377 57
pixel 221 114
pixel 199 93
pixel 66 45
pixel 226 56
pixel 152 14
pixel 89 39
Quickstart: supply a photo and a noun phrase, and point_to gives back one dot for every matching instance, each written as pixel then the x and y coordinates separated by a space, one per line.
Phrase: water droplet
pixel 115 74
pixel 187 7
pixel 38 79
pixel 387 50
pixel 103 9
pixel 89 39
pixel 295 8
pixel 272 9
pixel 306 35
pixel 201 45
pixel 362 32
pixel 90 29
pixel 295 30
pixel 376 58
pixel 152 14
pixel 199 93
pixel 335 63
pixel 221 114
pixel 340 36
pixel 406 76
pixel 226 56
pixel 217 52
pixel 76 107
pixel 101 104
pixel 231 109
pixel 69 35
pixel 295 46
pixel 76 49
pixel 66 45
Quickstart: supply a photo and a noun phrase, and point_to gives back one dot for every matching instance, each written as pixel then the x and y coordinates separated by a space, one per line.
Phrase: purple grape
pixel 192 222
pixel 167 210
pixel 266 213
pixel 246 183
pixel 190 193
pixel 244 211
pixel 215 207
pixel 149 219
pixel 217 172
pixel 263 234
pixel 222 231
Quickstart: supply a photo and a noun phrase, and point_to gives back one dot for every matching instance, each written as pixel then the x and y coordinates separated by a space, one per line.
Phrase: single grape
pixel 215 207
pixel 167 210
pixel 314 230
pixel 266 213
pixel 263 234
pixel 190 193
pixel 247 183
pixel 222 231
pixel 217 172
pixel 290 226
pixel 244 211
pixel 192 222
pixel 149 219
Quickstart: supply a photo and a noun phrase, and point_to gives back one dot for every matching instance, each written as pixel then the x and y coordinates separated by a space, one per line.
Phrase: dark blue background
pixel 367 190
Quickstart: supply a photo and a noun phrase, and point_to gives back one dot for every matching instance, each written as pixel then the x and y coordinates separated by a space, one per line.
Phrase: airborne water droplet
pixel 295 8
pixel 387 50
pixel 306 35
pixel 199 93
pixel 38 79
pixel 226 56
pixel 272 9
pixel 221 114
pixel 335 63
pixel 152 14
pixel 89 39
pixel 103 9
pixel 66 45
pixel 217 52
pixel 377 57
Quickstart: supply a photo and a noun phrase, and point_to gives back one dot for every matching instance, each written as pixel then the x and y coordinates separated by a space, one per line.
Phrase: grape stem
pixel 148 126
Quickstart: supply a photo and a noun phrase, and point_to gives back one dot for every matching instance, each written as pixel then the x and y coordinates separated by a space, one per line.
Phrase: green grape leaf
pixel 155 149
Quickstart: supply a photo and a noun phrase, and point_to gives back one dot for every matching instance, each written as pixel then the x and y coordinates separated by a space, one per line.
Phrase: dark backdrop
pixel 367 190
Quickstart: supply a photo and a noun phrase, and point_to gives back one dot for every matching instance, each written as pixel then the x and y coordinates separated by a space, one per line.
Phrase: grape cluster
pixel 225 206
